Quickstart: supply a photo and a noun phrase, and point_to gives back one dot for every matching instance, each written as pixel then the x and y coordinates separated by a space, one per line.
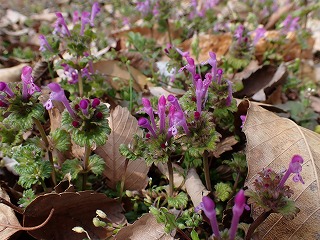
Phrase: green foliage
pixel 164 216
pixel 96 164
pixel 21 112
pixel 238 163
pixel 61 140
pixel 223 191
pixel 10 136
pixel 74 167
pixel 178 201
pixel 25 53
pixel 27 197
pixel 92 130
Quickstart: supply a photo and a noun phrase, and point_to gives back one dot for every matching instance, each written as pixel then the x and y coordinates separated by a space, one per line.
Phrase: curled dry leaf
pixel 145 227
pixel 71 210
pixel 123 126
pixel 195 188
pixel 271 143
pixel 116 69
pixel 11 74
pixel 178 178
pixel 8 217
pixel 224 145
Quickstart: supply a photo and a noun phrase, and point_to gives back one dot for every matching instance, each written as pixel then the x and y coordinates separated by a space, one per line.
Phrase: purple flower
pixel 243 119
pixel 84 104
pixel 75 17
pixel 84 21
pixel 191 67
pixel 290 24
pixel 229 98
pixel 174 101
pixel 144 7
pixel 183 54
pixel 259 33
pixel 162 113
pixel 60 25
pixel 44 45
pixel 219 74
pixel 143 122
pixel 237 210
pixel 180 120
pixel 28 87
pixel 295 167
pixel 57 94
pixel 94 11
pixel 95 102
pixel 149 110
pixel 85 73
pixel 199 91
pixel 208 207
pixel 239 33
pixel 5 88
pixel 71 73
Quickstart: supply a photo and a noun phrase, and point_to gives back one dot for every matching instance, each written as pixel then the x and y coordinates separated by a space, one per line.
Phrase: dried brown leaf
pixel 8 217
pixel 123 126
pixel 178 178
pixel 195 188
pixel 145 227
pixel 11 74
pixel 218 44
pixel 115 69
pixel 71 210
pixel 271 143
pixel 224 145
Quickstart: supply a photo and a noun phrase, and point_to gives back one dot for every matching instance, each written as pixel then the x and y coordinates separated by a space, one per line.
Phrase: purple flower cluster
pixel 208 207
pixel 28 87
pixel 290 24
pixel 148 7
pixel 174 118
pixel 295 167
pixel 202 86
pixel 199 10
pixel 60 26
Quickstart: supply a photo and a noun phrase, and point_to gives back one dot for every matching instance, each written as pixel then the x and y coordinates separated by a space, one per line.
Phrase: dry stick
pixel 9 204
pixel 46 143
pixel 256 223
pixel 170 171
pixel 87 151
pixel 206 170
pixel 30 228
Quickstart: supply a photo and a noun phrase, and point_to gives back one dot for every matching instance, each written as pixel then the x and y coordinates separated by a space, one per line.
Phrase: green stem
pixel 43 185
pixel 80 85
pixel 256 223
pixel 130 87
pixel 87 152
pixel 170 171
pixel 46 143
pixel 206 170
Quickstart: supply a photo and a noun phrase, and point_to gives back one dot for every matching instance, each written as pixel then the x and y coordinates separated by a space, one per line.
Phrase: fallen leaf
pixel 71 210
pixel 159 91
pixel 315 103
pixel 247 71
pixel 271 143
pixel 116 69
pixel 8 217
pixel 219 44
pixel 123 126
pixel 224 145
pixel 195 188
pixel 12 74
pixel 145 228
pixel 263 82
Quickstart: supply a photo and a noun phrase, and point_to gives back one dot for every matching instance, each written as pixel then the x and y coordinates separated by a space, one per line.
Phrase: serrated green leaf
pixel 74 167
pixel 223 191
pixel 179 201
pixel 96 164
pixel 61 140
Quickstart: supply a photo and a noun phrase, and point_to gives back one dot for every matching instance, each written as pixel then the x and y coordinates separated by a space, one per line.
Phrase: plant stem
pixel 256 223
pixel 43 185
pixel 80 85
pixel 206 170
pixel 170 171
pixel 9 204
pixel 123 179
pixel 87 152
pixel 183 234
pixel 169 32
pixel 130 87
pixel 46 143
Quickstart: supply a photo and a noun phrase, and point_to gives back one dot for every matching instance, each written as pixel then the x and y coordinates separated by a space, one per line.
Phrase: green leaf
pixel 61 140
pixel 179 201
pixel 27 197
pixel 223 191
pixel 96 164
pixel 194 235
pixel 74 167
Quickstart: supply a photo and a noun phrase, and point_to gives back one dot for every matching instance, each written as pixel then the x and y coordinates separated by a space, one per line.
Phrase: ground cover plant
pixel 160 120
